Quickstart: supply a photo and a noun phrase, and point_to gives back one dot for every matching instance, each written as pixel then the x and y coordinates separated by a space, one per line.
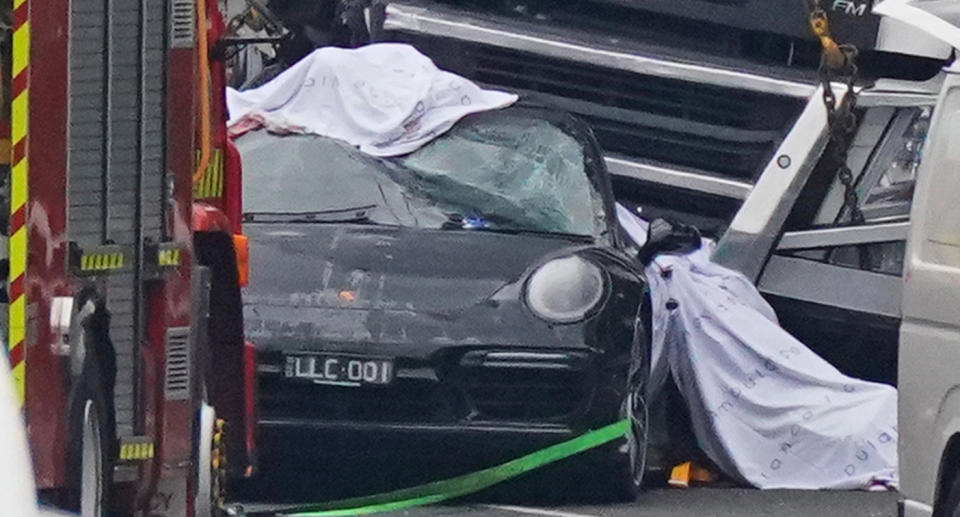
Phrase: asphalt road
pixel 694 502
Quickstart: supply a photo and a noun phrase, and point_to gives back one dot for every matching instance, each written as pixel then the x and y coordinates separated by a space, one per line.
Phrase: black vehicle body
pixel 475 371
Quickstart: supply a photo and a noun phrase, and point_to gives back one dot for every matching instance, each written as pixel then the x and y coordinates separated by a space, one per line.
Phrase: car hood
pixel 347 283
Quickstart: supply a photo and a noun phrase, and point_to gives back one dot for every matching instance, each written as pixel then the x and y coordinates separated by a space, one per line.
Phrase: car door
pixel 929 366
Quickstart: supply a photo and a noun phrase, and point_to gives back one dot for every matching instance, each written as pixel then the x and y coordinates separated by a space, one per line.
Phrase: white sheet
pixel 764 407
pixel 388 99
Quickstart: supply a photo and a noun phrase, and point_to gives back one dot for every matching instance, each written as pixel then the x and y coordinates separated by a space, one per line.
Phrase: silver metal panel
pixel 182 24
pixel 87 106
pixel 415 19
pixel 123 183
pixel 176 380
pixel 152 116
pixel 117 60
pixel 832 286
pixel 753 232
pixel 844 236
pixel 901 94
pixel 689 180
pixel 120 300
pixel 872 127
pixel 122 122
pixel 885 153
pixel 869 99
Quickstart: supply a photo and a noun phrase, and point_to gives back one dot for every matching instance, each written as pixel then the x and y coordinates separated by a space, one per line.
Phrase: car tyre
pixel 622 478
pixel 631 479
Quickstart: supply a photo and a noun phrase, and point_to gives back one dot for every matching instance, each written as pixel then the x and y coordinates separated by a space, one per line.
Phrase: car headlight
pixel 564 290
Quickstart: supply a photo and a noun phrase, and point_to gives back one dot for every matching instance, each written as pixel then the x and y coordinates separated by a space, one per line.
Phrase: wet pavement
pixel 694 502
pixel 552 493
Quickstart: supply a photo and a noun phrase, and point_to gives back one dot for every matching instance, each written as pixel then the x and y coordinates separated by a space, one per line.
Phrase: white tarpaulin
pixel 388 99
pixel 764 407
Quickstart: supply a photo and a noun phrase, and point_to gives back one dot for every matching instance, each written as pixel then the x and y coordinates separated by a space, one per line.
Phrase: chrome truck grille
pixel 703 129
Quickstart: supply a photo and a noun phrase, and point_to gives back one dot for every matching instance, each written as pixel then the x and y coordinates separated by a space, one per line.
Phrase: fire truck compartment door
pixel 938 18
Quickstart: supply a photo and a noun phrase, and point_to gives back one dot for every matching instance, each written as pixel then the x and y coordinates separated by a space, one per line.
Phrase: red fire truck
pixel 124 325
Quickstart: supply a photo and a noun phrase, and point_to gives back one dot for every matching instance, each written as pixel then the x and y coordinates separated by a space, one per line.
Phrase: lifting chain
pixel 838 64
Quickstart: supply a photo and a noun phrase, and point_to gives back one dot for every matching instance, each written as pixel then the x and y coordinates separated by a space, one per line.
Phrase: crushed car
pixel 476 291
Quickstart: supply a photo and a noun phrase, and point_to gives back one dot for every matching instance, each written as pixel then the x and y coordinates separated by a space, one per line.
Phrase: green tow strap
pixel 438 491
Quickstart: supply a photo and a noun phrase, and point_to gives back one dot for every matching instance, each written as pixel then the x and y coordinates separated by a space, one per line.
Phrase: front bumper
pixel 425 452
pixel 318 439
pixel 460 409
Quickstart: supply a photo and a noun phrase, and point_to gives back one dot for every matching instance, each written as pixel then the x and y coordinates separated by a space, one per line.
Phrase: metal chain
pixel 838 64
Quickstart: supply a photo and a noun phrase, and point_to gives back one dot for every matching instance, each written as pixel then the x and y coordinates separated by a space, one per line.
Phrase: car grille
pixel 405 400
pixel 523 394
pixel 690 125
pixel 461 393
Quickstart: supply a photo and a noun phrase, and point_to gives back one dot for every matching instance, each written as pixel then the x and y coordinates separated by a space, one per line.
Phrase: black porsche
pixel 475 297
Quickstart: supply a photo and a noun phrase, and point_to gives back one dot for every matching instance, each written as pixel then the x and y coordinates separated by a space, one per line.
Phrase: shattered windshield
pixel 496 174
pixel 513 172
pixel 307 178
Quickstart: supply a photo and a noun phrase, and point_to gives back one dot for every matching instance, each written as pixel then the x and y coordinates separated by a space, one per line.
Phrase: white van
pixel 17 490
pixel 929 365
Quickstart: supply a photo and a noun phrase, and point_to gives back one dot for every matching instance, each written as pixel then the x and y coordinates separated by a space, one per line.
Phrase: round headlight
pixel 564 290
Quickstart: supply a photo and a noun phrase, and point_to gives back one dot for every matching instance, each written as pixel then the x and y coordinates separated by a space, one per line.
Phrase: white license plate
pixel 339 370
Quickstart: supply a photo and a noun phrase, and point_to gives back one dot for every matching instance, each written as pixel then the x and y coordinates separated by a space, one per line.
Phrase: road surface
pixel 694 502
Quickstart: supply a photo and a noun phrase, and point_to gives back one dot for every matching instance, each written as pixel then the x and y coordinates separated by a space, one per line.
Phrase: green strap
pixel 438 491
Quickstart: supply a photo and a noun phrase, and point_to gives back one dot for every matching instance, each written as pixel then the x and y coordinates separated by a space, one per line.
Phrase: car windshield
pixel 498 173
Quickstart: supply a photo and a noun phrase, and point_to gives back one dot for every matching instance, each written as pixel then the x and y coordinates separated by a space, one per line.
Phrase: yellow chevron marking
pixel 18 315
pixel 21 48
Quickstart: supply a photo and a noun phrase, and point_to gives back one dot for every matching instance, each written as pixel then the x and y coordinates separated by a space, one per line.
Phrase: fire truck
pixel 125 256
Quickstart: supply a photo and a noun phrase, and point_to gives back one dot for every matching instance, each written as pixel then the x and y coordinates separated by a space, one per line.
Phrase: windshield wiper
pixel 546 233
pixel 359 214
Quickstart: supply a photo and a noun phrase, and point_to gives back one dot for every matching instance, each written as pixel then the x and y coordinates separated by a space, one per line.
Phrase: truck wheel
pixel 90 463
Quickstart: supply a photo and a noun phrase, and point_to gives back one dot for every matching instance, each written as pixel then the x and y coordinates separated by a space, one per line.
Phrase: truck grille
pixel 679 123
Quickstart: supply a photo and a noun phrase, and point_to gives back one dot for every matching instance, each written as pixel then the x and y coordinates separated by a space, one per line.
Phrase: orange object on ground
pixel 682 474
